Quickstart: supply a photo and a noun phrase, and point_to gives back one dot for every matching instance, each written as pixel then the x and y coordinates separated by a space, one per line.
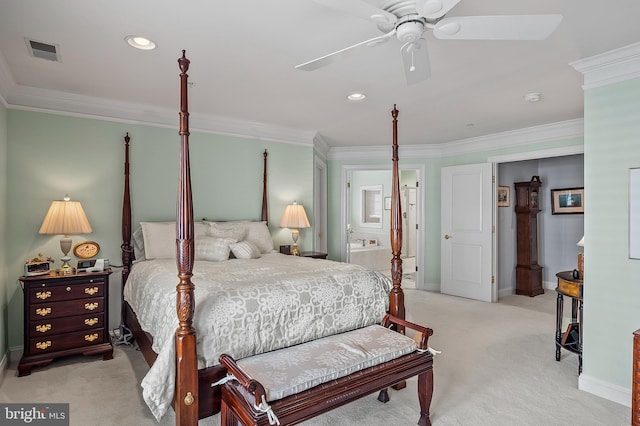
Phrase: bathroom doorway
pixel 367 216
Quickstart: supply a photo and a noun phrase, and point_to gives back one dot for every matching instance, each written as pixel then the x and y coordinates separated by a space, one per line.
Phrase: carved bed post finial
pixel 396 297
pixel 186 392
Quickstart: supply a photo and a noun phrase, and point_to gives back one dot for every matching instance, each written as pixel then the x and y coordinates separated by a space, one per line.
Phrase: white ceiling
pixel 243 55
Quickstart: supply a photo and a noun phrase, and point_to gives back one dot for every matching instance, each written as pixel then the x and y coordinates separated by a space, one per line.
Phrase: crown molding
pixel 63 103
pixel 6 81
pixel 514 138
pixel 610 67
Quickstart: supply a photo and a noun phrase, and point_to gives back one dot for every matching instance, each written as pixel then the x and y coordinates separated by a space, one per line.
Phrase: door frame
pixel 521 156
pixel 345 203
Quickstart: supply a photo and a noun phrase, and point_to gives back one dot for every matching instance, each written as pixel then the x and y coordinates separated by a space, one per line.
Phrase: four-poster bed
pixel 193 394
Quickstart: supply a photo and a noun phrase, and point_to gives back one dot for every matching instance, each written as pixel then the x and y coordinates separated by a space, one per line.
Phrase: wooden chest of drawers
pixel 65 315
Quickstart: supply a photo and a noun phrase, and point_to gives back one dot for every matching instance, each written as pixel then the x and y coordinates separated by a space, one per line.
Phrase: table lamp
pixel 294 217
pixel 65 217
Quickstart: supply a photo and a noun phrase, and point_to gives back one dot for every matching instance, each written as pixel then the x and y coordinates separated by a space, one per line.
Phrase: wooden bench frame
pixel 241 396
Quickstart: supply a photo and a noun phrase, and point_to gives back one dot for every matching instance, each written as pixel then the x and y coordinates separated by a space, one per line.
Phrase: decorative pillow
pixel 160 238
pixel 213 248
pixel 256 232
pixel 245 250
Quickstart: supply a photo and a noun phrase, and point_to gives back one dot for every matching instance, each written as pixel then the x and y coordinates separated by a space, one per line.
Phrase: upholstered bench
pixel 294 384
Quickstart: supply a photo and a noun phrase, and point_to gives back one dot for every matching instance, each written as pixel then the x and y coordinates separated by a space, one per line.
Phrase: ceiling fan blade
pixel 434 9
pixel 342 53
pixel 506 27
pixel 360 9
pixel 415 58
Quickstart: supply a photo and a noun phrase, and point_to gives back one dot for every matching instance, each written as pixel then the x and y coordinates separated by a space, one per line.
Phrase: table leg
pixel 580 304
pixel 559 306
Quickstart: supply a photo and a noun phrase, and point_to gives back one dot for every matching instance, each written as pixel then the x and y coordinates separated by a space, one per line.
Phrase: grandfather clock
pixel 528 272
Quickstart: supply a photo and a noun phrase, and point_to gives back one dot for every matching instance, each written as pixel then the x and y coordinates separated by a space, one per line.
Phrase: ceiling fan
pixel 408 20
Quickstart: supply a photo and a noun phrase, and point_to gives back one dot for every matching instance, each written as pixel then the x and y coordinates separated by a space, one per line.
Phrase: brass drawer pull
pixel 91 291
pixel 91 321
pixel 43 295
pixel 43 311
pixel 68 289
pixel 43 328
pixel 91 306
pixel 43 345
pixel 91 337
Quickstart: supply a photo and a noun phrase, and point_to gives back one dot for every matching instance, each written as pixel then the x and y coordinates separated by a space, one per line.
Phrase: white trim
pixel 610 67
pixel 6 81
pixel 536 155
pixel 604 389
pixel 320 203
pixel 62 103
pixel 514 138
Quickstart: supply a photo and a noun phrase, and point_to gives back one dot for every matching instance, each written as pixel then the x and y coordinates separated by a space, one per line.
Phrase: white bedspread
pixel 250 306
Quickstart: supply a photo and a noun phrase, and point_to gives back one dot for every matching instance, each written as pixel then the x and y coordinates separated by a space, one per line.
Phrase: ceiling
pixel 243 55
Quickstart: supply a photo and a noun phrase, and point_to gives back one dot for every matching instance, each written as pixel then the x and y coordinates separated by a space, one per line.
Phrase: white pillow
pixel 212 248
pixel 138 244
pixel 160 238
pixel 234 230
pixel 260 235
pixel 245 250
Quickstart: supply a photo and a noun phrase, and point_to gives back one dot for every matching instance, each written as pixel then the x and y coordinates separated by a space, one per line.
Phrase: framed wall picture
pixel 504 196
pixel 567 201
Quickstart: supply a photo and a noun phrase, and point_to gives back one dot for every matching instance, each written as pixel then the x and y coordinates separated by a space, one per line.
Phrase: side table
pixel 571 339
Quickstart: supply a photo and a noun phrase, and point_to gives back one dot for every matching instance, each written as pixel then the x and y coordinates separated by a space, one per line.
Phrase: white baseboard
pixel 604 389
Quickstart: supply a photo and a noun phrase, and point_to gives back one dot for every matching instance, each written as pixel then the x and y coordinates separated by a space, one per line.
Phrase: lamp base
pixel 295 251
pixel 66 269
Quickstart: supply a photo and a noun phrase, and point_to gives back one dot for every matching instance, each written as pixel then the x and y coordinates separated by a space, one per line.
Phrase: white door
pixel 466 231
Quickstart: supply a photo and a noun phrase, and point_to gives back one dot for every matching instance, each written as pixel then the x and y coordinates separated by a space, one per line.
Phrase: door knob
pixel 446 237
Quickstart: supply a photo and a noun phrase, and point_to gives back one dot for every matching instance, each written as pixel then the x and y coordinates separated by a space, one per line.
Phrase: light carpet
pixel 497 367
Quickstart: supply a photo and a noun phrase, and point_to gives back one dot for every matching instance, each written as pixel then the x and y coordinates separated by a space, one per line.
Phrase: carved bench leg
pixel 383 396
pixel 425 393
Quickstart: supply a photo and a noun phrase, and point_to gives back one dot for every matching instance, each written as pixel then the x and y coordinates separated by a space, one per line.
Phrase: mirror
pixel 371 206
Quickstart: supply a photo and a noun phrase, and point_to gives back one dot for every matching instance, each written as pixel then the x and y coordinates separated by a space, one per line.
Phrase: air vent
pixel 48 51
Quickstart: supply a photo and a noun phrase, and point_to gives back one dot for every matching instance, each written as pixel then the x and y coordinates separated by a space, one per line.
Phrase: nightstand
pixel 65 315
pixel 314 254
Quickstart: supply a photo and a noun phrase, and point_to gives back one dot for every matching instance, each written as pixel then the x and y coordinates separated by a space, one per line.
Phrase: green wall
pixel 612 287
pixel 50 155
pixel 3 256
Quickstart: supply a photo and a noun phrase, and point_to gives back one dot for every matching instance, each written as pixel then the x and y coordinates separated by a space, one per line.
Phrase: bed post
pixel 186 391
pixel 396 296
pixel 265 211
pixel 126 217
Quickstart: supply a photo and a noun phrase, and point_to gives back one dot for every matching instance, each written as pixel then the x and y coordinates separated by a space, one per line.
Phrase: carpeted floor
pixel 497 367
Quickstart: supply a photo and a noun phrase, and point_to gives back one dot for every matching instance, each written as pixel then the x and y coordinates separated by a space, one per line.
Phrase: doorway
pixel 366 219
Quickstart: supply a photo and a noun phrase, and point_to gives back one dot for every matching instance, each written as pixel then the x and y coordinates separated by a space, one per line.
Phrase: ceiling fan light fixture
pixel 356 96
pixel 140 42
pixel 410 31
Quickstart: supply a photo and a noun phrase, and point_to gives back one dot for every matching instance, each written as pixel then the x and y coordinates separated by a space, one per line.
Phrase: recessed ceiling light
pixel 533 97
pixel 356 96
pixel 140 42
